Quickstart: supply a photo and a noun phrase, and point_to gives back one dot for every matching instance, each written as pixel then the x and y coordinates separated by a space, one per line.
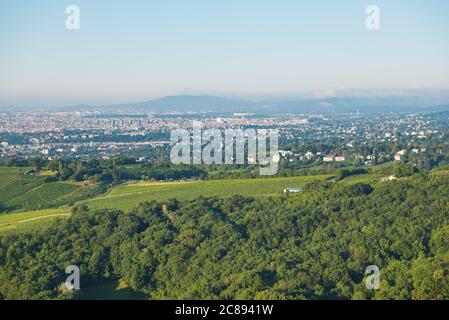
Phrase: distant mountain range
pixel 200 104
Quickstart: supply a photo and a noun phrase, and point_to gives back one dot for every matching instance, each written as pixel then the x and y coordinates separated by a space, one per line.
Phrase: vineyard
pixel 20 190
pixel 371 179
pixel 126 197
pixel 42 196
pixel 14 182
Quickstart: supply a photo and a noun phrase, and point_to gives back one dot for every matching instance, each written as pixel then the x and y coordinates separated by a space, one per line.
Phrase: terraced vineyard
pixel 371 179
pixel 440 172
pixel 79 194
pixel 42 196
pixel 20 190
pixel 14 182
pixel 128 196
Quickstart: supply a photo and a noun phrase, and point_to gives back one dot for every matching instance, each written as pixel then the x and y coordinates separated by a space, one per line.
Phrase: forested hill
pixel 313 245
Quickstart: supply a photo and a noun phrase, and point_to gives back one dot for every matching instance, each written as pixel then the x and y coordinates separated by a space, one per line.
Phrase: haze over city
pixel 139 50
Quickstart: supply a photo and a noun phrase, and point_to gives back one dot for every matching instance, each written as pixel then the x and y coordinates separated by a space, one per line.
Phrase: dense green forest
pixel 312 245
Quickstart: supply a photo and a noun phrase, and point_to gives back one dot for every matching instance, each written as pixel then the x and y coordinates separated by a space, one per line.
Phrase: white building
pixel 292 190
pixel 309 155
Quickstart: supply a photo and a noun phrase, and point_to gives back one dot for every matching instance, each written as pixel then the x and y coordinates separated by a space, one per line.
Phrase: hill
pixel 311 245
pixel 170 104
pixel 335 105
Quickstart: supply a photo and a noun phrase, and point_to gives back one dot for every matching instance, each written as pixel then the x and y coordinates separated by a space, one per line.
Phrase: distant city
pixel 355 138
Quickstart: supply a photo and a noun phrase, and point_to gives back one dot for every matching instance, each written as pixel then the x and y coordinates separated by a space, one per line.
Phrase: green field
pixel 31 193
pixel 128 196
pixel 21 221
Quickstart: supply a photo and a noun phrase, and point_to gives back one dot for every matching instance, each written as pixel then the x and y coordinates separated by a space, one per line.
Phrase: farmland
pixel 20 190
pixel 127 196
pixel 14 183
pixel 32 193
pixel 371 179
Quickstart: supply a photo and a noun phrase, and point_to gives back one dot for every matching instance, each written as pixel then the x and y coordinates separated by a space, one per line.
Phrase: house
pixel 328 159
pixel 340 159
pixel 292 190
pixel 309 155
pixel 398 157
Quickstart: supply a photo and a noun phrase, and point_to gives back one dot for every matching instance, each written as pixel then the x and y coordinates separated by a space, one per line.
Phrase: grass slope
pixel 23 221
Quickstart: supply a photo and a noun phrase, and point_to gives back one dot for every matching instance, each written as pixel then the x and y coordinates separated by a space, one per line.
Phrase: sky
pixel 131 50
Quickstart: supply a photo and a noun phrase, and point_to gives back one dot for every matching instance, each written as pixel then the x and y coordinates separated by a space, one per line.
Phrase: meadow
pixel 28 220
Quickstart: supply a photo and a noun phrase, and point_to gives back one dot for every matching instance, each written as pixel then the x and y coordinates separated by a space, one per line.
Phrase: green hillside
pixel 14 182
pixel 31 192
pixel 128 196
pixel 22 189
pixel 29 220
pixel 314 245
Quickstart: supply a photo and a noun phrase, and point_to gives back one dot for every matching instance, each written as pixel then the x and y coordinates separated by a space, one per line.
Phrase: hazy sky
pixel 135 50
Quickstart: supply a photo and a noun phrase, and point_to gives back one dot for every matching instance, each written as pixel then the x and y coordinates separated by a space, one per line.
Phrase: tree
pixel 403 170
pixel 431 278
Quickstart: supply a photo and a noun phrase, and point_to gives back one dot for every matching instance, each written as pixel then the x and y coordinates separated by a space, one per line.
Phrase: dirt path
pixel 7 224
pixel 43 217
